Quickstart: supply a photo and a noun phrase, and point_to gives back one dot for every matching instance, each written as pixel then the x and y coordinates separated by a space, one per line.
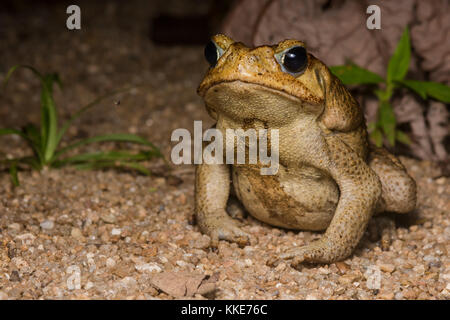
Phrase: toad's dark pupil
pixel 211 53
pixel 295 59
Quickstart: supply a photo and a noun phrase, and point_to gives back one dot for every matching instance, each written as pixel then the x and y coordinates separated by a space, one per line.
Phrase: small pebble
pixel 386 267
pixel 148 267
pixel 77 234
pixel 47 224
pixel 116 232
pixel 110 262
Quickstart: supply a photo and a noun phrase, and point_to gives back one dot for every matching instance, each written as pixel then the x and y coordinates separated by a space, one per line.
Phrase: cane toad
pixel 329 178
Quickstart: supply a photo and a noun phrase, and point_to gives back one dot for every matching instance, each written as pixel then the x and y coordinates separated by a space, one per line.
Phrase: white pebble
pixel 127 282
pixel 110 262
pixel 26 238
pixel 419 269
pixel 88 285
pixel 181 263
pixel 14 226
pixel 47 224
pixel 147 267
pixel 116 232
pixel 90 255
pixel 373 277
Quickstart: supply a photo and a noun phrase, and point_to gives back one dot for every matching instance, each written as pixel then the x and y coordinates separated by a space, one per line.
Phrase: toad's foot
pixel 320 251
pixel 220 226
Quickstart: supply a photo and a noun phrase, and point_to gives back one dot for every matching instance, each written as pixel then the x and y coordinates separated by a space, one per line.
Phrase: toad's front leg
pixel 360 191
pixel 212 189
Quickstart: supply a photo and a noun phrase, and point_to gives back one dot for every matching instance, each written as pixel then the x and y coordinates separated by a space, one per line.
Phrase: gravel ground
pixel 68 234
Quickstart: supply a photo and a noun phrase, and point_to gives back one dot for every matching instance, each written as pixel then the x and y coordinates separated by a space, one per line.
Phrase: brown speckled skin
pixel 329 176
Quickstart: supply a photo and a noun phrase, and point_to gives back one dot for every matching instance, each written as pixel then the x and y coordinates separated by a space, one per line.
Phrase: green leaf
pixel 377 137
pixel 387 121
pixel 383 95
pixel 437 90
pixel 416 86
pixel 114 137
pixel 371 126
pixel 82 110
pixel 402 137
pixel 399 62
pixel 353 74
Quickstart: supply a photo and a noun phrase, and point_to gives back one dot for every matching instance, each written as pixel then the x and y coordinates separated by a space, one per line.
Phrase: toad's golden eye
pixel 293 60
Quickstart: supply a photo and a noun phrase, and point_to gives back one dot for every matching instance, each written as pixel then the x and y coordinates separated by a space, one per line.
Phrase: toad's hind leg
pixel 398 188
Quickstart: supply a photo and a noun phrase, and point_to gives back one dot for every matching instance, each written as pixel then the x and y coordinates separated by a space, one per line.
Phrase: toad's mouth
pixel 249 88
pixel 240 99
pixel 289 87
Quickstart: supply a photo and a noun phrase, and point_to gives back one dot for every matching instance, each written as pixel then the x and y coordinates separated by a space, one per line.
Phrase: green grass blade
pixel 32 162
pixel 135 166
pixel 14 68
pixel 13 174
pixel 106 156
pixel 27 134
pixel 399 62
pixel 113 164
pixel 34 140
pixel 29 160
pixel 114 137
pixel 82 110
pixel 48 110
pixel 353 74
pixel 4 132
pixel 49 128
